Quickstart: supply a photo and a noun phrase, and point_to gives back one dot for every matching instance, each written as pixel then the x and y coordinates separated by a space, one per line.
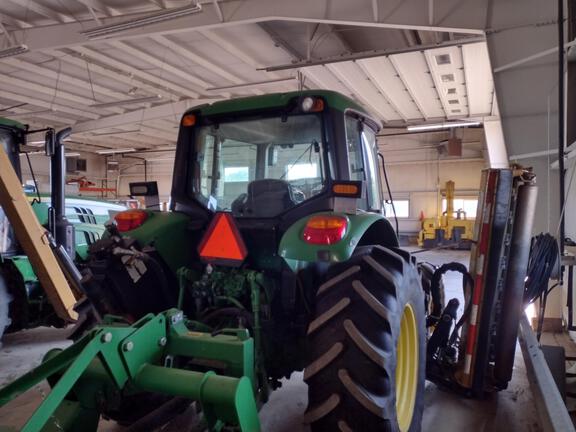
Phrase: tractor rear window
pixel 258 167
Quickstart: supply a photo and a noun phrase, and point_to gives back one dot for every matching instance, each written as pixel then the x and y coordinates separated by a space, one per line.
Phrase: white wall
pixel 159 171
pixel 417 171
pixel 419 182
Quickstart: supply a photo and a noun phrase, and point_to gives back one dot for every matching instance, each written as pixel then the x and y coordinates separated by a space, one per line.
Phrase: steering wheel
pixel 297 194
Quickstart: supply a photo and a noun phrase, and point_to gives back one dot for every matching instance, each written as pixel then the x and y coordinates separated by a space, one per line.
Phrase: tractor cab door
pixel 362 161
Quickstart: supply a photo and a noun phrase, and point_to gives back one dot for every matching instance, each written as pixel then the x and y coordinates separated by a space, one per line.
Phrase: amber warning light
pixel 222 244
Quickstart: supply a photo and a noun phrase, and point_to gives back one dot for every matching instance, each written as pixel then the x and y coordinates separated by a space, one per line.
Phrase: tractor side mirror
pixel 50 143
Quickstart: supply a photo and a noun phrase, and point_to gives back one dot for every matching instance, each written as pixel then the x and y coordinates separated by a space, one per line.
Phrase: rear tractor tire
pixel 367 345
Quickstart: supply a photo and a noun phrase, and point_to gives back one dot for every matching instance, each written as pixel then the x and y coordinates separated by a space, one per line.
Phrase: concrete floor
pixel 510 410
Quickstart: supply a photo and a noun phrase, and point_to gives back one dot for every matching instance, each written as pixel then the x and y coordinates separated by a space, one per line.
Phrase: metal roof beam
pixel 466 18
pixel 373 53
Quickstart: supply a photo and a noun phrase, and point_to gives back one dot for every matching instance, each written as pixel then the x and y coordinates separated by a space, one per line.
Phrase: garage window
pixel 236 174
pixel 402 208
pixel 468 205
pixel 302 171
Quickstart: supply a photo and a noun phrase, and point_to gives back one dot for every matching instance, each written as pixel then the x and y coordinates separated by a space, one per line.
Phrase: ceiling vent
pixel 447 77
pixel 443 59
pixel 451 90
pixel 453 101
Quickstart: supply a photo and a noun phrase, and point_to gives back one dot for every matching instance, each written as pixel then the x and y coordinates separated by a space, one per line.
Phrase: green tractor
pixel 277 227
pixel 74 222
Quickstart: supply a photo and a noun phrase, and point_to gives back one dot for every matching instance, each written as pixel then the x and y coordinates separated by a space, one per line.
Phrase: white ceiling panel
pixel 413 71
pixel 384 76
pixel 446 70
pixel 479 80
pixel 355 79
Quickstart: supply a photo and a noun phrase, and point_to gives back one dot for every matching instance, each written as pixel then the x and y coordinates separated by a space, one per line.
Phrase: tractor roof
pixel 332 98
pixel 11 123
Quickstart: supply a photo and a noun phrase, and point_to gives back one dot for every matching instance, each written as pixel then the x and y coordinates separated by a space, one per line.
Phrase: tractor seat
pixel 265 198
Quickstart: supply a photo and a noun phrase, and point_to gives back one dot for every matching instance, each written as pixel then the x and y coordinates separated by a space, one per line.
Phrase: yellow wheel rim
pixel 406 368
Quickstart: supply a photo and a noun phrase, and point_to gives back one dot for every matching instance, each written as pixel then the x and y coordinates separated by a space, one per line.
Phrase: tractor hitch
pixel 91 376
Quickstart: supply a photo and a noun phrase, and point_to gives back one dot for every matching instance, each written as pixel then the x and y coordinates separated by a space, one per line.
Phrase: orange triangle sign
pixel 222 243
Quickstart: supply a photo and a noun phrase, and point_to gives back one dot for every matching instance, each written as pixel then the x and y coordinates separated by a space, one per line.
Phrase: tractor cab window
pixel 258 167
pixel 362 161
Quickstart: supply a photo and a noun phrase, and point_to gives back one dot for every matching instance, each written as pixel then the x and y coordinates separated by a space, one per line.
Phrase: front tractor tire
pixel 367 345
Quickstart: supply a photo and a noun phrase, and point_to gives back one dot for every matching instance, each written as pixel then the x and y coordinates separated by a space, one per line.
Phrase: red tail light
pixel 130 219
pixel 325 230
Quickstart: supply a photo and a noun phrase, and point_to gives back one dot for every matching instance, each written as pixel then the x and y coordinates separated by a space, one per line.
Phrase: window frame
pixel 396 200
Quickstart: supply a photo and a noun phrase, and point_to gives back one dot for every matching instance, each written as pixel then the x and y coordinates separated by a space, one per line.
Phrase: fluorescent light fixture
pixel 155 18
pixel 32 153
pixel 112 162
pixel 71 154
pixel 429 127
pixel 116 132
pixel 154 98
pixel 13 51
pixel 115 151
pixel 252 84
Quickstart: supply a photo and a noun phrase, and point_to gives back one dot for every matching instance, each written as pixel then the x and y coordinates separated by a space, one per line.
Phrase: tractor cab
pixel 272 161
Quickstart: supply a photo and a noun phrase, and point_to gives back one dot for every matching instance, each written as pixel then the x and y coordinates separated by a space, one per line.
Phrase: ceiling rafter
pixel 199 60
pixel 44 119
pixel 163 65
pixel 27 85
pixel 230 48
pixel 152 79
pixel 49 73
pixel 36 7
pixel 81 58
pixel 49 105
pixel 14 22
pixel 100 6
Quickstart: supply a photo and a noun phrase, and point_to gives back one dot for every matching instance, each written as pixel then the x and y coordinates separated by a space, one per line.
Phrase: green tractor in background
pixel 23 303
pixel 277 227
